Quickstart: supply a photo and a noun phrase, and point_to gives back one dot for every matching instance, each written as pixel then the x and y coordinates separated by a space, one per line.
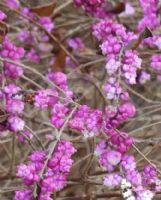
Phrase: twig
pixel 140 95
pixel 135 147
pixel 86 65
pixel 60 8
pixel 41 27
pixel 10 171
pixel 34 134
pixel 143 127
pixel 53 145
pixel 37 73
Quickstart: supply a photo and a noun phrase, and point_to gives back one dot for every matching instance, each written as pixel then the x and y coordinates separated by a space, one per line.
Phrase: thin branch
pixel 61 7
pixel 52 147
pixel 41 27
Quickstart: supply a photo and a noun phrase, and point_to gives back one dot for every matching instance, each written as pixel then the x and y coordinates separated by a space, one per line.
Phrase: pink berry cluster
pixel 144 76
pixel 153 42
pixel 47 172
pixel 87 121
pixel 54 177
pixel 46 23
pixel 60 109
pixel 12 52
pixel 2 15
pixel 84 119
pixel 90 6
pixel 114 90
pixel 33 56
pixel 125 63
pixel 13 107
pixel 36 44
pixel 12 101
pixel 156 62
pixel 150 14
pixel 98 8
pixel 125 164
pixel 115 115
pixel 75 43
pixel 115 38
pixel 13 3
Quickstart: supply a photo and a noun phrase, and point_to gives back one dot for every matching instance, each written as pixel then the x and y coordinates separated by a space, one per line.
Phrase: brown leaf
pixel 60 55
pixel 59 64
pixel 45 10
pixel 135 43
pixel 118 8
pixel 3 30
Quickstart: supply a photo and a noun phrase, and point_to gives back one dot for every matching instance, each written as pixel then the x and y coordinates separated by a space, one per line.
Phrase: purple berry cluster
pixel 87 121
pixel 150 14
pixel 90 6
pixel 47 169
pixel 55 176
pixel 125 164
pixel 14 53
pixel 115 38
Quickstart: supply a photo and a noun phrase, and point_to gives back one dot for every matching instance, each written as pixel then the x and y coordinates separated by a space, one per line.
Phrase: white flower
pixel 125 184
pixel 127 193
pixel 131 198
